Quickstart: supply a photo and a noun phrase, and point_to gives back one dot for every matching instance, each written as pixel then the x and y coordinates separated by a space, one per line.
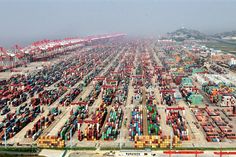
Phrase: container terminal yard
pixel 112 92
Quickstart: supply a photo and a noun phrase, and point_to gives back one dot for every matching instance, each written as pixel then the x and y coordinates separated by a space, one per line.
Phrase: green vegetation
pixel 15 155
pixel 232 41
pixel 80 148
pixel 20 149
pixel 185 33
pixel 18 155
pixel 224 47
pixel 225 34
pixel 109 148
pixel 73 148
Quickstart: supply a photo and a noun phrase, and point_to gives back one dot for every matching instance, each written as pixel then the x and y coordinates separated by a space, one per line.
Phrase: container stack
pixel 153 118
pixel 82 112
pixel 136 123
pixel 93 124
pixel 219 89
pixel 113 124
pixel 20 87
pixel 108 95
pixel 229 112
pixel 42 123
pixel 36 130
pixel 168 89
pixel 156 142
pixel 177 121
pixel 74 92
pixel 47 97
pixel 190 92
pixel 67 131
pixel 50 142
pixel 211 123
pixel 228 101
pixel 15 122
pixel 91 76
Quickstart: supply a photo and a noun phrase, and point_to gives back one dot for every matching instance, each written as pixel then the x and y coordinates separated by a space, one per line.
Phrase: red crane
pixel 224 153
pixel 184 152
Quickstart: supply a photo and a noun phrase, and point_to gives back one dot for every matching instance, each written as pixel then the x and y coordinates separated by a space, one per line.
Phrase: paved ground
pixel 122 154
pixel 51 153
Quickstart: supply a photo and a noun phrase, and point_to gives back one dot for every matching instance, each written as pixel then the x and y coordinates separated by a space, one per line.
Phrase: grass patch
pixel 20 149
pixel 73 148
pixel 224 47
pixel 109 148
pixel 81 148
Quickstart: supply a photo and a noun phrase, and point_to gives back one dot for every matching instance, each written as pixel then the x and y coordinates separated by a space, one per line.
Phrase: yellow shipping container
pixel 156 141
pixel 49 141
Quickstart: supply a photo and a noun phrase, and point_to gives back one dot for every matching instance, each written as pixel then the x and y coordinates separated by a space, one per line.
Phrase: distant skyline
pixel 26 21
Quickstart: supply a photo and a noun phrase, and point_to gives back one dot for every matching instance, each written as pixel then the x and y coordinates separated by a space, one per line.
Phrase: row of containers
pixel 229 112
pixel 87 79
pixel 167 86
pixel 46 77
pixel 81 112
pixel 102 123
pixel 12 123
pixel 42 123
pixel 153 117
pixel 156 141
pixel 108 121
pixel 176 119
pixel 70 126
pixel 144 126
pixel 19 88
pixel 136 123
pixel 151 121
pixel 167 82
pixel 177 66
pixel 90 127
pixel 175 58
pixel 152 138
pixel 143 74
pixel 190 92
pixel 214 124
pixel 170 94
pixel 67 131
pixel 169 78
pixel 47 96
pixel 219 89
pixel 113 124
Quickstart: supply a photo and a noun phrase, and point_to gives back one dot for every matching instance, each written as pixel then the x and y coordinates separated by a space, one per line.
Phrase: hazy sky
pixel 24 21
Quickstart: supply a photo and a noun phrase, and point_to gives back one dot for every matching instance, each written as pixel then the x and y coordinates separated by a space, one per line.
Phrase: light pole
pixel 5 138
pixel 71 137
pixel 171 136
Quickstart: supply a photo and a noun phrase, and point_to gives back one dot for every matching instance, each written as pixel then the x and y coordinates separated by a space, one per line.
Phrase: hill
pixel 184 33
